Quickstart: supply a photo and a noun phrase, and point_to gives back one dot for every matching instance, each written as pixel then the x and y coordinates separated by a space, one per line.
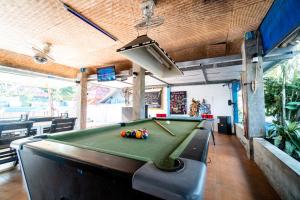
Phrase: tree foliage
pixel 273 83
pixel 273 97
pixel 284 97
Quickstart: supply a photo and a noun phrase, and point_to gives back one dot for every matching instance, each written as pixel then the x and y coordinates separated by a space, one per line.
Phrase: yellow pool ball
pixel 138 135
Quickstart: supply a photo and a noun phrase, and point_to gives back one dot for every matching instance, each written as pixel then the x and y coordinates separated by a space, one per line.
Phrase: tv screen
pixel 106 73
pixel 283 19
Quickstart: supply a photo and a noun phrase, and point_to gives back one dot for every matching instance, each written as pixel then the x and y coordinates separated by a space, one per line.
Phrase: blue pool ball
pixel 145 135
pixel 133 133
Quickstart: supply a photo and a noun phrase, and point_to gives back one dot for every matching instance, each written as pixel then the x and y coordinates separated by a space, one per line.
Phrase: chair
pixel 64 115
pixel 10 128
pixel 161 115
pixel 34 131
pixel 8 154
pixel 42 119
pixel 9 132
pixel 60 125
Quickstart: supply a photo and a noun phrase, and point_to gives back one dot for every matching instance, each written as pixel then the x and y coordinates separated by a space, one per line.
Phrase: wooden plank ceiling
pixel 193 29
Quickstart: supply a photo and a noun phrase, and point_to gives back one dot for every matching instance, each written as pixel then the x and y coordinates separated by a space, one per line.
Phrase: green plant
pixel 286 137
pixel 273 98
pixel 293 110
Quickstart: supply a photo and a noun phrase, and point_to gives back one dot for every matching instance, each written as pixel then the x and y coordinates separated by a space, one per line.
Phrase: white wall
pixel 215 94
pixel 102 114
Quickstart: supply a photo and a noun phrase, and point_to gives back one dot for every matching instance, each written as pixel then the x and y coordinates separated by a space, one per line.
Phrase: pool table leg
pixel 213 137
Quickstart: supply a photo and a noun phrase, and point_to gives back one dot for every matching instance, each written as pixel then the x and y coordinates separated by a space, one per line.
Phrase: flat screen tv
pixel 282 20
pixel 106 73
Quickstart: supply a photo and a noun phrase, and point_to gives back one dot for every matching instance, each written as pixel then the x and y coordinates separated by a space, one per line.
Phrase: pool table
pixel 100 164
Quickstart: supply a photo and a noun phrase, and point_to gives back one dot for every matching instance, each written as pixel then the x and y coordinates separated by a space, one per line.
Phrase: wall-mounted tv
pixel 106 73
pixel 282 19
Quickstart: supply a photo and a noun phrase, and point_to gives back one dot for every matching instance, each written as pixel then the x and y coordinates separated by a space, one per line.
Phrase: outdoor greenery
pixel 273 98
pixel 282 102
pixel 28 94
pixel 66 93
pixel 286 137
pixel 17 98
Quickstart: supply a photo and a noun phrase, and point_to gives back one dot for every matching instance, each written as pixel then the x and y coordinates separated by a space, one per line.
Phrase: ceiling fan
pixel 148 20
pixel 41 55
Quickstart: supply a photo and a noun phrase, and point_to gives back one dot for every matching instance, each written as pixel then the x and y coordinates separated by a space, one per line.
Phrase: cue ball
pixel 168 122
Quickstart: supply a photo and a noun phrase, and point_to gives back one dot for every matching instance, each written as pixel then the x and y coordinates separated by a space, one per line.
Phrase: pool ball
pixel 145 135
pixel 168 122
pixel 128 133
pixel 123 133
pixel 133 133
pixel 144 130
pixel 138 135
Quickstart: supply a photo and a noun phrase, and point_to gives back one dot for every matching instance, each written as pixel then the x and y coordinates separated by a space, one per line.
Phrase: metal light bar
pixel 86 20
pixel 158 57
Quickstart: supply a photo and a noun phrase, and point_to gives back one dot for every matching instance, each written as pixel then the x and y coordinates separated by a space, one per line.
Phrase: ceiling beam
pixel 165 82
pixel 211 66
pixel 269 60
pixel 204 82
pixel 280 51
pixel 285 56
pixel 205 74
pixel 268 65
pixel 278 55
pixel 208 61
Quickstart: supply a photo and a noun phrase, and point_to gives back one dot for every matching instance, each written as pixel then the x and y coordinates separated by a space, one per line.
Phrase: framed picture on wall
pixel 178 103
pixel 153 98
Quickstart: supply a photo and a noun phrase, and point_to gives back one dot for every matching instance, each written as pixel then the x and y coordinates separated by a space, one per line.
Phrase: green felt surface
pixel 157 148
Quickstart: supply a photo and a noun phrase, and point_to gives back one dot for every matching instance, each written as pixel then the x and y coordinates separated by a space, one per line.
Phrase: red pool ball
pixel 123 133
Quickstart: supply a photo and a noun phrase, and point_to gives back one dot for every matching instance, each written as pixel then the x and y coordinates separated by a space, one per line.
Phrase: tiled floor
pixel 230 176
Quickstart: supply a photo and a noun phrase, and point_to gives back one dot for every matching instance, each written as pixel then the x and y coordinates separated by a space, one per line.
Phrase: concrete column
pixel 253 89
pixel 51 108
pixel 82 99
pixel 253 92
pixel 138 93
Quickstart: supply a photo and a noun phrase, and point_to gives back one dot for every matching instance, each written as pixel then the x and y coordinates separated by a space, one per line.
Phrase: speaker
pixel 146 111
pixel 224 125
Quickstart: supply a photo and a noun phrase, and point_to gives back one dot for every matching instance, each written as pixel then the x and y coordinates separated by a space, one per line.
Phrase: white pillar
pixel 138 93
pixel 82 99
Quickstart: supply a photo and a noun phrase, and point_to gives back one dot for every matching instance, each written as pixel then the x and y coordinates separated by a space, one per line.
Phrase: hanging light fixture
pixel 147 53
